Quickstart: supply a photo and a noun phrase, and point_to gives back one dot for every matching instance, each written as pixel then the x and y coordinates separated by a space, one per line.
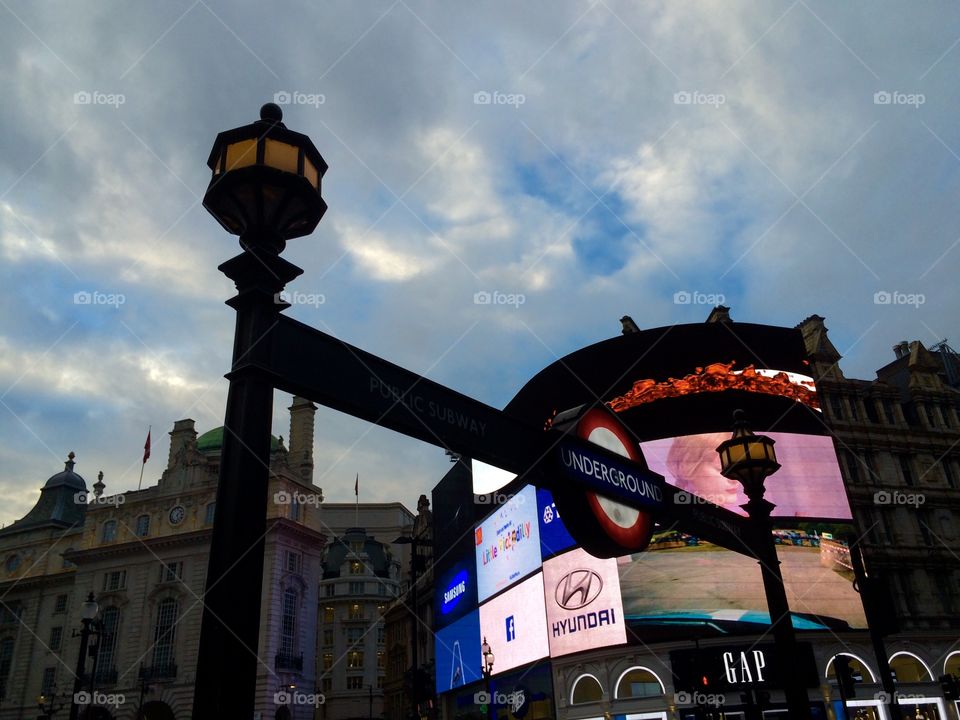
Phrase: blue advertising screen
pixel 508 544
pixel 457 652
pixel 554 537
pixel 455 592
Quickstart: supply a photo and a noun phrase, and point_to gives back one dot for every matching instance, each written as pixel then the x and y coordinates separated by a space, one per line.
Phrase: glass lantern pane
pixel 281 156
pixel 310 173
pixel 240 154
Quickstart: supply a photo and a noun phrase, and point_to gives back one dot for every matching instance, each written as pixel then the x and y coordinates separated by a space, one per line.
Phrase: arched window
pixel 6 660
pixel 586 689
pixel 952 664
pixel 164 632
pixel 107 657
pixel 288 623
pixel 143 525
pixel 908 668
pixel 638 682
pixel 109 531
pixel 859 667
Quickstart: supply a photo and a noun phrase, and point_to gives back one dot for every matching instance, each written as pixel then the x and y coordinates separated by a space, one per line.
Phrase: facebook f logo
pixel 511 630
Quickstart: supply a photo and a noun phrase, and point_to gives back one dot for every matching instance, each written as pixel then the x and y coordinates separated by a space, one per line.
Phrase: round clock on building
pixel 177 514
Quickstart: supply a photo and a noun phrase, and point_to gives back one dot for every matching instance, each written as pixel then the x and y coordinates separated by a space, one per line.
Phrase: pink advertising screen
pixel 808 485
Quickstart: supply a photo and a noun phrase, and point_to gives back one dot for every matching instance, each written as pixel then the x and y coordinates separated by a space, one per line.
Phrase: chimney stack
pixel 302 412
pixel 901 349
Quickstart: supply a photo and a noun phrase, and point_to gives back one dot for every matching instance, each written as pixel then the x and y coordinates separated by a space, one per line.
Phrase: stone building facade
pixel 143 555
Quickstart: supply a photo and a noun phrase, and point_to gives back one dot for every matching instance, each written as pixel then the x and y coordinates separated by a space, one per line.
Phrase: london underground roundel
pixel 605 527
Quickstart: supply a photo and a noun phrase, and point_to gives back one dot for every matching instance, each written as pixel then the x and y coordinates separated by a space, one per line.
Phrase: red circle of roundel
pixel 628 527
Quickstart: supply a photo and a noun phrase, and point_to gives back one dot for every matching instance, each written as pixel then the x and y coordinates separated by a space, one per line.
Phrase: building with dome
pixel 143 554
pixel 360 576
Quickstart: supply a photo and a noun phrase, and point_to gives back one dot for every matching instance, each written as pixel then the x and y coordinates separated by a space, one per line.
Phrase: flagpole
pixel 145 456
pixel 356 512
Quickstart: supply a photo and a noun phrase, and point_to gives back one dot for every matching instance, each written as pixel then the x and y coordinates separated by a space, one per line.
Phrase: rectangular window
pixel 143 526
pixel 854 408
pixel 60 605
pixel 888 411
pixel 327 661
pixel 923 522
pixel 164 632
pixel 381 659
pixel 354 635
pixel 331 589
pixel 355 682
pixel 836 406
pixel 170 572
pixel 356 612
pixel 210 512
pixel 906 469
pixel 945 414
pixel 870 405
pixel 853 466
pixel 116 580
pixel 49 680
pixel 293 562
pixel 355 659
pixel 948 471
pixel 288 623
pixel 929 415
pixel 327 685
pixel 328 636
pixel 110 623
pixel 56 637
pixel 380 682
pixel 328 614
pixel 380 634
pixel 356 588
pixel 870 461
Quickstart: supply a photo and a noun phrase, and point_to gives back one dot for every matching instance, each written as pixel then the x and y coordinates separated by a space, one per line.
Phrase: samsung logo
pixel 453 593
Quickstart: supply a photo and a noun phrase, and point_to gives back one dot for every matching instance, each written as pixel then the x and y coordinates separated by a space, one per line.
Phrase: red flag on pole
pixel 146 448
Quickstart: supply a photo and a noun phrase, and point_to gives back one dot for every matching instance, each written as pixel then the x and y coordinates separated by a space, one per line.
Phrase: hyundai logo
pixel 578 589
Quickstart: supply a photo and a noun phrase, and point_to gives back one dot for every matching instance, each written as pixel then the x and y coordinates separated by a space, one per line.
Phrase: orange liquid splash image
pixel 714 378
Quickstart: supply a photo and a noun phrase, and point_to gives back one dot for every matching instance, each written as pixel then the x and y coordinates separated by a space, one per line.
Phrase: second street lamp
pixel 265 187
pixel 487 670
pixel 750 459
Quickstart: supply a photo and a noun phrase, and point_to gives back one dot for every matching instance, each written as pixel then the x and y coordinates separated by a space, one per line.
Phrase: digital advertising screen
pixel 515 625
pixel 507 543
pixel 457 653
pixel 554 537
pixel 455 592
pixel 807 485
pixel 584 609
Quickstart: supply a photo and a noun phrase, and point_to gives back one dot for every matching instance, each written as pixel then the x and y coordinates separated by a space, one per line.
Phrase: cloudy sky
pixel 592 159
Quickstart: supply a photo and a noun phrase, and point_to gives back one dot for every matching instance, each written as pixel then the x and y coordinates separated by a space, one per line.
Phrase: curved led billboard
pixel 675 390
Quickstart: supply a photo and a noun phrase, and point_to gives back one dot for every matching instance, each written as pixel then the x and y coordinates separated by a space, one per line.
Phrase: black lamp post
pixel 750 459
pixel 487 671
pixel 266 189
pixel 89 626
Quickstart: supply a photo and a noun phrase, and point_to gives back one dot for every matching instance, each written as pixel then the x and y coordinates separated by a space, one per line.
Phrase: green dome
pixel 212 440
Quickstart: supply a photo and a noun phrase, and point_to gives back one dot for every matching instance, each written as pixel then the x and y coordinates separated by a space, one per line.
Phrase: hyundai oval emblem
pixel 578 588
